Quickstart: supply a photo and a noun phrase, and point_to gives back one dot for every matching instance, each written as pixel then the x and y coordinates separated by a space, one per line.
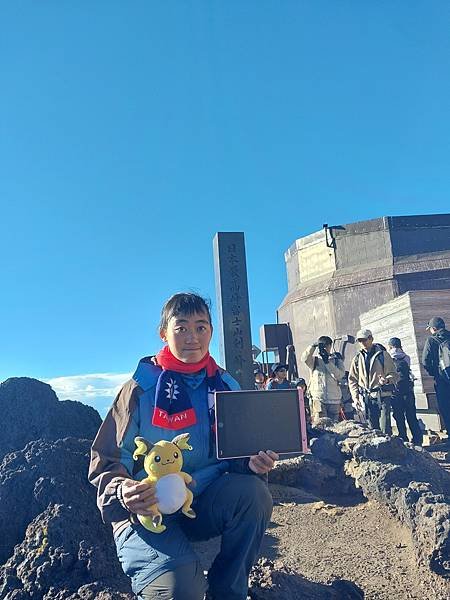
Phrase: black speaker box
pixel 274 336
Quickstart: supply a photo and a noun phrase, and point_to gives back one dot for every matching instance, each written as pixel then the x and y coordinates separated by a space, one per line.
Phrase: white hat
pixel 363 334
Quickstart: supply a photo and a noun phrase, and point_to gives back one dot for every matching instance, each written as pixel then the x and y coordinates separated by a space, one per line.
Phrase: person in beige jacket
pixel 371 380
pixel 326 371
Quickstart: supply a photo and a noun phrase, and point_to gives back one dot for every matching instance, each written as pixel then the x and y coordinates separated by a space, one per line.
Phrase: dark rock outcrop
pixel 31 410
pixel 270 580
pixel 410 482
pixel 321 478
pixel 47 509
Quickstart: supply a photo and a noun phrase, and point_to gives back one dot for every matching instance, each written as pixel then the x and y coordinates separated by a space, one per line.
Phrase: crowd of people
pixel 379 384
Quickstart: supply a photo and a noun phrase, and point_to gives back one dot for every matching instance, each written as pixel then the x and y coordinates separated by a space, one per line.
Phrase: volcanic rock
pixel 410 482
pixel 31 410
pixel 47 510
pixel 315 476
pixel 269 580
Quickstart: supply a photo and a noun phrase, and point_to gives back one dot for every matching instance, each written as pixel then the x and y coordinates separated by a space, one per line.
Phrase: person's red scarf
pixel 169 362
pixel 173 408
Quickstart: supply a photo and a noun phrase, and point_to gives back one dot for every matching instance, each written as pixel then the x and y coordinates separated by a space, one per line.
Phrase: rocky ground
pixel 363 516
pixel 361 543
pixel 310 540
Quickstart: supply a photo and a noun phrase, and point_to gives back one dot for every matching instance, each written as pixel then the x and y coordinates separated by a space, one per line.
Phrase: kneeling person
pixel 171 395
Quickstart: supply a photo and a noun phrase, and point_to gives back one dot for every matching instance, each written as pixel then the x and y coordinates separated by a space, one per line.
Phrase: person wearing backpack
pixel 403 399
pixel 436 361
pixel 372 380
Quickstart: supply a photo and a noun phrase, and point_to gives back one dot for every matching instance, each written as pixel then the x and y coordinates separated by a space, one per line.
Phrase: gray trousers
pixel 185 581
pixel 379 417
pixel 325 409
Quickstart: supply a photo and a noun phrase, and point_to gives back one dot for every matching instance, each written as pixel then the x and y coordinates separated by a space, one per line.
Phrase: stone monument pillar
pixel 233 309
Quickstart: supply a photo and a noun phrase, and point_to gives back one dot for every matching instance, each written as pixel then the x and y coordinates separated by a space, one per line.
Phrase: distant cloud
pixel 88 388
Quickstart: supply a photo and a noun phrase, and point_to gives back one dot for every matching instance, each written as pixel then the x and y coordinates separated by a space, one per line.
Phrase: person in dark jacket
pixel 430 361
pixel 347 401
pixel 403 399
pixel 279 378
pixel 301 384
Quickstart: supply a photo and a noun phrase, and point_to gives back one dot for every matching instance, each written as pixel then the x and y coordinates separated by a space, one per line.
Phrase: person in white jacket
pixel 327 370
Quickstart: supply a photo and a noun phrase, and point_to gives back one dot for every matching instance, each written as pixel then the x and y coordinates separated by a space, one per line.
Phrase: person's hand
pixel 138 496
pixel 263 462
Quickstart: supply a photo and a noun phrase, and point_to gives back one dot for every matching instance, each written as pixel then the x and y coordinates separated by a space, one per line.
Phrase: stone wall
pixel 335 276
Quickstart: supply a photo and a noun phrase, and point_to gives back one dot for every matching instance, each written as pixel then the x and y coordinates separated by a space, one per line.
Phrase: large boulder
pixel 61 558
pixel 323 479
pixel 53 540
pixel 31 410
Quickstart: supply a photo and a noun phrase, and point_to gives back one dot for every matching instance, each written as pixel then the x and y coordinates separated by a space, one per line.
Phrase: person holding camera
pixel 372 379
pixel 327 370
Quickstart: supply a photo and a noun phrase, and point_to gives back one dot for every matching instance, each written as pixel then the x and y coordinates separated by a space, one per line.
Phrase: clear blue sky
pixel 131 132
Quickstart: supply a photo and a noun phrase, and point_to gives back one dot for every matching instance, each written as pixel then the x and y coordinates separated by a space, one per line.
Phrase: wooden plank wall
pixel 424 305
pixel 406 317
pixel 394 319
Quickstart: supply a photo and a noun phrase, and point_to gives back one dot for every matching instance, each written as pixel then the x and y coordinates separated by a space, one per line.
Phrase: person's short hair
pixel 325 340
pixel 436 323
pixel 395 342
pixel 184 303
pixel 278 367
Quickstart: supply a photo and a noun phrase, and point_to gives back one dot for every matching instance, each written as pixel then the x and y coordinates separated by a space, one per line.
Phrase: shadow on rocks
pixel 318 478
pixel 269 580
pixel 408 481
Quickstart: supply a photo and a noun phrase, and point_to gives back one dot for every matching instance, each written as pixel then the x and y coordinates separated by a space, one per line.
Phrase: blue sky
pixel 131 132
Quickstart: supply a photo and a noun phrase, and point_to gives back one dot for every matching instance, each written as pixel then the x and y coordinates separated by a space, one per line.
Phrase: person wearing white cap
pixel 371 381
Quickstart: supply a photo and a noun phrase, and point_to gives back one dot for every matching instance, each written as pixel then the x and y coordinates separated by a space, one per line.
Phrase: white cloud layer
pixel 88 388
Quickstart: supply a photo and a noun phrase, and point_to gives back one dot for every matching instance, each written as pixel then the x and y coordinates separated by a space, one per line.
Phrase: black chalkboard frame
pixel 244 416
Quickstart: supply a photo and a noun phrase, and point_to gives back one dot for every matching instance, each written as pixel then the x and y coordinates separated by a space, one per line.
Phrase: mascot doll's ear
pixel 182 441
pixel 143 447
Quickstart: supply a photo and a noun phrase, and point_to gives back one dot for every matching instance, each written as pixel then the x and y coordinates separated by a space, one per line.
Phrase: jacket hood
pixel 397 353
pixel 375 348
pixel 442 335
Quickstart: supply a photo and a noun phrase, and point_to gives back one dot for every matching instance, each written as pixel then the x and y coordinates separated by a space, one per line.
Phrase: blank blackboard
pixel 250 421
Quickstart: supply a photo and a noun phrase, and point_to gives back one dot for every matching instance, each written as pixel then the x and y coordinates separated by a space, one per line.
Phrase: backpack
pixel 444 359
pixel 404 370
